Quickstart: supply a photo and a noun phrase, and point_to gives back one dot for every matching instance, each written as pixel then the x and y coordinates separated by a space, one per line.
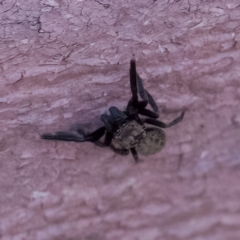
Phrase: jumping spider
pixel 125 130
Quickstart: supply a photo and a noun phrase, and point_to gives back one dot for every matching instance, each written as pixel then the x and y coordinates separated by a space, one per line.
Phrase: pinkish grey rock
pixel 64 63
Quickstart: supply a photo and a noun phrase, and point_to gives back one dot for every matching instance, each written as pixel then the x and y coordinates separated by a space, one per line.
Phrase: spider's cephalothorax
pixel 128 135
pixel 124 130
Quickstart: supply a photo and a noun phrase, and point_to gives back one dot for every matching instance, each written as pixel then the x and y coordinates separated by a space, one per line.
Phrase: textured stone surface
pixel 64 63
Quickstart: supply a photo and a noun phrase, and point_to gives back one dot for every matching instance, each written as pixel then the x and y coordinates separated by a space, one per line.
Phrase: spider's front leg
pixel 107 141
pixel 133 82
pixel 164 125
pixel 63 136
pixel 136 87
pixel 135 154
pixel 147 97
pixel 73 137
pixel 122 152
pixel 134 105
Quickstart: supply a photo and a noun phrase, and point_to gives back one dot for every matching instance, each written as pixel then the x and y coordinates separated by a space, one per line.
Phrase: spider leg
pixel 145 95
pixel 113 121
pixel 65 136
pixel 118 116
pixel 152 103
pixel 140 106
pixel 148 113
pixel 137 105
pixel 164 125
pixel 107 141
pixel 135 155
pixel 96 135
pixel 133 113
pixel 133 82
pixel 136 87
pixel 116 113
pixel 142 92
pixel 108 122
pixel 123 152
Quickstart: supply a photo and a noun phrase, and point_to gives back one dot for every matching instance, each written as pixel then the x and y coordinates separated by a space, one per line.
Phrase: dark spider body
pixel 124 130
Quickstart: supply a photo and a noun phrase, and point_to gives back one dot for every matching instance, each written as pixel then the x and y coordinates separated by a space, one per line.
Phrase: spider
pixel 124 130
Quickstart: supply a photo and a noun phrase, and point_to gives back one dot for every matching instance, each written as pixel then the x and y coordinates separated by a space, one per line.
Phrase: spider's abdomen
pixel 128 135
pixel 153 142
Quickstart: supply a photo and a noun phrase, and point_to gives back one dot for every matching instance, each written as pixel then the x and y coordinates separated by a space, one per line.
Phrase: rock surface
pixel 66 62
